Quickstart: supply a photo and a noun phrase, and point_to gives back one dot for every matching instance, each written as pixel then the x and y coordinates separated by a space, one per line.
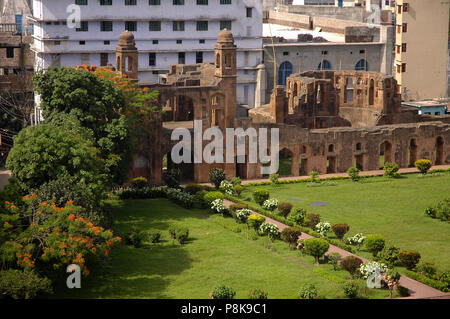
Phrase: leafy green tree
pixel 374 243
pixel 23 284
pixel 316 247
pixel 97 103
pixel 45 153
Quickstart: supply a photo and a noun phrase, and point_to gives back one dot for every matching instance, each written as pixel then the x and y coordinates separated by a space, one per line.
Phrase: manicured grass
pixel 218 252
pixel 391 207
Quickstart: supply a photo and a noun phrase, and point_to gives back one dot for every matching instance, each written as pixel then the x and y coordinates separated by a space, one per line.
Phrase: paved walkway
pixel 417 289
pixel 362 173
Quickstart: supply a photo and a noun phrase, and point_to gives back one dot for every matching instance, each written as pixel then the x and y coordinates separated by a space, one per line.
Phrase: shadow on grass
pixel 131 273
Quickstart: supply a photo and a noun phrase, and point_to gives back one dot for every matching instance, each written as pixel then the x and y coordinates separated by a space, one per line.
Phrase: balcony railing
pixel 16 28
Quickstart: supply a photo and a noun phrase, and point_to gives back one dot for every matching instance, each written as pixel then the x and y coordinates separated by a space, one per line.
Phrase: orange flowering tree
pixel 43 234
pixel 141 104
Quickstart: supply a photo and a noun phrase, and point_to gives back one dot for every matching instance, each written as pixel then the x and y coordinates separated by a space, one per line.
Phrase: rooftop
pixel 428 103
pixel 291 33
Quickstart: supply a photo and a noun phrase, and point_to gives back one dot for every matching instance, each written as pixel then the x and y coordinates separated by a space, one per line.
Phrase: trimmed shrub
pixel 233 208
pixel 172 177
pixel 374 243
pixel 440 211
pixel 423 165
pixel 238 189
pixel 218 207
pixel 351 289
pixel 274 178
pixel 271 230
pixel 351 264
pixel 284 209
pixel 25 284
pixel 242 215
pixel 314 175
pixel 255 221
pixel 313 220
pixel 139 182
pixel 222 292
pixel 297 216
pixel 353 173
pixel 135 238
pixel 193 188
pixel 216 176
pixel 290 235
pixel 236 181
pixel 389 255
pixel 316 247
pixel 308 291
pixel 212 196
pixel 199 199
pixel 154 237
pixel 257 294
pixel 333 259
pixel 323 228
pixel 391 169
pixel 340 230
pixel 270 204
pixel 182 235
pixel 427 269
pixel 173 232
pixel 409 258
pixel 237 206
pixel 260 196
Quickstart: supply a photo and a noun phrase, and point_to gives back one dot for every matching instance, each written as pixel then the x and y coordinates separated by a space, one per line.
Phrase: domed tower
pixel 127 55
pixel 225 52
pixel 226 70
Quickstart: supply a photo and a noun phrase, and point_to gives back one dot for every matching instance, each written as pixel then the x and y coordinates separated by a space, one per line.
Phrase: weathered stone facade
pixel 328 121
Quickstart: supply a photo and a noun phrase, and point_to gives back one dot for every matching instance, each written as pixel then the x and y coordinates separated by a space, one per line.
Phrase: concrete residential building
pixel 166 33
pixel 332 52
pixel 422 48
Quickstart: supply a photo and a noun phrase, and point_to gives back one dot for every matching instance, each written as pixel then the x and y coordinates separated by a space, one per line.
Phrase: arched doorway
pixel 285 160
pixel 439 151
pixel 184 109
pixel 412 153
pixel 303 161
pixel 359 157
pixel 385 153
pixel 284 71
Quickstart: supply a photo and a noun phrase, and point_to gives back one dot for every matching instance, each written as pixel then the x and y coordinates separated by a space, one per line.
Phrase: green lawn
pixel 391 207
pixel 217 253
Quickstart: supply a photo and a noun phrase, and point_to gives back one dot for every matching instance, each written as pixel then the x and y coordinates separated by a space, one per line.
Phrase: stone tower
pixel 127 56
pixel 226 70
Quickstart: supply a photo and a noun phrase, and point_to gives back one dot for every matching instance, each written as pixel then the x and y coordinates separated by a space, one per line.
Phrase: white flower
pixel 218 206
pixel 323 228
pixel 270 204
pixel 372 267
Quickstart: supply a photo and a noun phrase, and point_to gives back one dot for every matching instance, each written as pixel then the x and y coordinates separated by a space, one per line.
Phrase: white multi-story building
pixel 167 32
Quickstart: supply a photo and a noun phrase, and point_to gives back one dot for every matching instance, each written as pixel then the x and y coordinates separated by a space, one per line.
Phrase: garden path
pixel 417 289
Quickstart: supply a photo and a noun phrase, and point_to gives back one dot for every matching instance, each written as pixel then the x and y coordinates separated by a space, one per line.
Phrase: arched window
pixel 362 65
pixel 283 72
pixel 326 65
pixel 217 60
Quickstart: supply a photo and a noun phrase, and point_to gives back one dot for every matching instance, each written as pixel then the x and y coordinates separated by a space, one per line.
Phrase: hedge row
pixel 285 221
pixel 427 281
pixel 175 195
pixel 335 178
